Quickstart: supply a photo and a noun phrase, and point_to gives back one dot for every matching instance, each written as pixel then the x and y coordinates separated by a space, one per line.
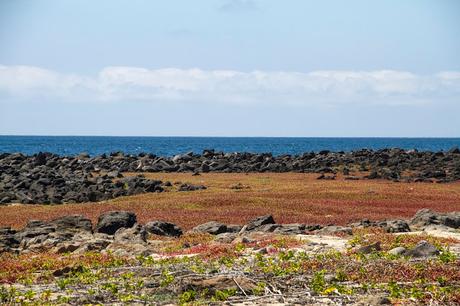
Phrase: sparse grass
pixel 388 241
pixel 22 268
pixel 149 280
pixel 290 197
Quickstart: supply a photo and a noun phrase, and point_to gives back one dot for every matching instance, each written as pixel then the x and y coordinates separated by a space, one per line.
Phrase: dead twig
pixel 242 290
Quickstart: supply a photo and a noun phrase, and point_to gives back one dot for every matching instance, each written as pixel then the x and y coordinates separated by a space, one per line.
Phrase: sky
pixel 330 68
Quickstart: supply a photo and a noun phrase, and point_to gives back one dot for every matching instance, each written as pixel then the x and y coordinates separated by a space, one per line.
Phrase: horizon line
pixel 223 136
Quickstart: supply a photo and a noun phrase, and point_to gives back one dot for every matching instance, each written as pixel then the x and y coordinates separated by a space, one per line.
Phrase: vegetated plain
pixel 359 268
pixel 237 197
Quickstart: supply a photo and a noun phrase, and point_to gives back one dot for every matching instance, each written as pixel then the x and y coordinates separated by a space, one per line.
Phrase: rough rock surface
pixel 334 230
pixel 211 227
pixel 422 249
pixel 256 223
pixel 119 230
pixel 426 217
pixel 110 222
pixel 46 178
pixel 49 178
pixel 162 228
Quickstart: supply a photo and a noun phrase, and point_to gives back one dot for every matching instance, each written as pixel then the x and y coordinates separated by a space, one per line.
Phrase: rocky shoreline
pixel 46 178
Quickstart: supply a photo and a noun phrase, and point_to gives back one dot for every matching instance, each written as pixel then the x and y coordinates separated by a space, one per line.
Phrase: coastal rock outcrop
pixel 426 217
pixel 49 178
pixel 110 222
pixel 162 228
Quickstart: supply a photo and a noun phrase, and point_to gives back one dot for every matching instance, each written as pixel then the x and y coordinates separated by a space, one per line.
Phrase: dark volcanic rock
pixel 73 223
pixel 334 230
pixel 212 227
pixel 137 233
pixel 35 228
pixel 291 229
pixel 259 221
pixel 110 222
pixel 189 187
pixel 367 249
pixel 426 217
pixel 394 226
pixel 163 228
pixel 422 249
pixel 8 239
pixel 47 178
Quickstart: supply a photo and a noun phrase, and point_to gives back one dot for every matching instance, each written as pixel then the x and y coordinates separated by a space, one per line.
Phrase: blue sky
pixel 230 68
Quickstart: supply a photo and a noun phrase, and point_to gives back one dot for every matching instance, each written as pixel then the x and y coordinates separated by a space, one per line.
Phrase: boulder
pixel 225 237
pixel 110 222
pixel 212 227
pixel 394 226
pixel 162 228
pixel 335 230
pixel 137 234
pixel 234 228
pixel 397 251
pixel 266 228
pixel 72 223
pixel 35 228
pixel 367 249
pixel 132 249
pixel 8 239
pixel 93 245
pixel 375 300
pixel 259 221
pixel 422 249
pixel 189 187
pixel 291 229
pixel 426 217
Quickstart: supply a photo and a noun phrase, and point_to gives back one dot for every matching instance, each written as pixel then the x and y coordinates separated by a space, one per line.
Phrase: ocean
pixel 169 146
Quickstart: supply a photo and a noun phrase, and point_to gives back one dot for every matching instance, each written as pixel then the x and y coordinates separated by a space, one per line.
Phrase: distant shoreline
pixel 170 146
pixel 224 136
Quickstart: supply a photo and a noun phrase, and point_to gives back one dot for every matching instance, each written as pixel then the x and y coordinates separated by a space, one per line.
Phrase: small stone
pixel 397 251
pixel 422 249
pixel 367 249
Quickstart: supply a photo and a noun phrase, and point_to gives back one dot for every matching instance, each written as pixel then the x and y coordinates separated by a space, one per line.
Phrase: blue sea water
pixel 168 146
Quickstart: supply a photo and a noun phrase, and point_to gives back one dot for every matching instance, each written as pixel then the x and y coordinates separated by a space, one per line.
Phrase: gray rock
pixel 394 226
pixel 426 217
pixel 267 228
pixel 397 251
pixel 137 233
pixel 376 300
pixel 291 229
pixel 110 222
pixel 259 221
pixel 367 249
pixel 189 187
pixel 163 228
pixel 8 239
pixel 72 223
pixel 422 249
pixel 225 237
pixel 35 228
pixel 234 228
pixel 212 227
pixel 95 245
pixel 334 229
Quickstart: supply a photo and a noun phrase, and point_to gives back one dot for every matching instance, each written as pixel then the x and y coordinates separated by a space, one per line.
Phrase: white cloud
pixel 231 87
